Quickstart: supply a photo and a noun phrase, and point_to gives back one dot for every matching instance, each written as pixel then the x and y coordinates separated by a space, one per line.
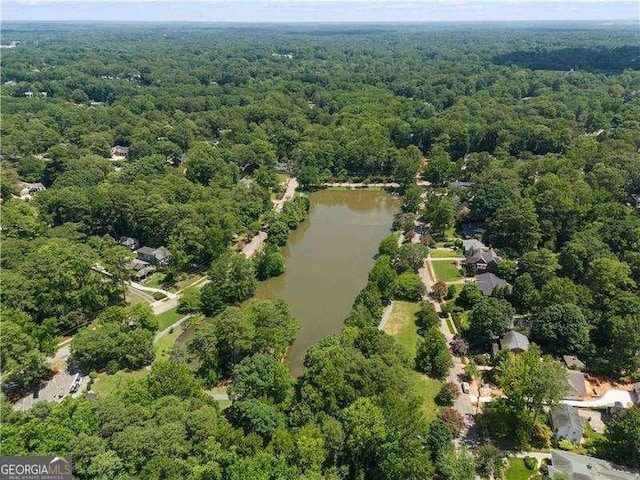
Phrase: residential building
pixel 141 269
pixel 28 189
pixel 154 256
pixel 483 260
pixel 514 341
pixel 472 229
pixel 567 423
pixel 471 244
pixel 582 467
pixel 487 282
pixel 119 151
pixel 129 242
pixel 576 385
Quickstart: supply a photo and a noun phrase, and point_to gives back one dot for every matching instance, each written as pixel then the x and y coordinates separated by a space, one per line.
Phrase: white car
pixel 465 387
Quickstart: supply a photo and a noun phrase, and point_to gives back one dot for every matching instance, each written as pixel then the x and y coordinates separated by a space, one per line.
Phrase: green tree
pixel 622 438
pixel 433 356
pixel 410 257
pixel 261 377
pixel 270 263
pixel 469 296
pixel 488 320
pixel 384 277
pixel 233 277
pixel 529 384
pixel 410 287
pixel 171 378
pixel 439 211
pixel 389 245
pixel 541 264
pixel 365 430
pixel 561 328
pixel 514 227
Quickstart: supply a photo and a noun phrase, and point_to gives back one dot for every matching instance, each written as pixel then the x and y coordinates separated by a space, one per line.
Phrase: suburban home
pixel 472 229
pixel 582 467
pixel 141 269
pixel 460 185
pixel 129 242
pixel 567 423
pixel 484 260
pixel 154 256
pixel 514 341
pixel 28 94
pixel 573 362
pixel 471 244
pixel 246 181
pixel 28 189
pixel 119 151
pixel 635 392
pixel 576 385
pixel 487 282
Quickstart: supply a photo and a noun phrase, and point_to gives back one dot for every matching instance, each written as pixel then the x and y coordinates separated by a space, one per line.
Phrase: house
pixel 281 167
pixel 119 151
pixel 567 423
pixel 573 362
pixel 129 242
pixel 28 189
pixel 470 244
pixel 460 185
pixel 582 467
pixel 93 103
pixel 28 94
pixel 488 282
pixel 576 385
pixel 514 341
pixel 246 181
pixel 154 256
pixel 472 229
pixel 635 392
pixel 141 269
pixel 483 260
pixel 43 94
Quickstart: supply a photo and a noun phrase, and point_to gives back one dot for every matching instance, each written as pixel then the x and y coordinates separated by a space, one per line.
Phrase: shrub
pixel 447 394
pixel 453 420
pixel 531 463
pixel 112 367
pixel 565 445
pixel 159 296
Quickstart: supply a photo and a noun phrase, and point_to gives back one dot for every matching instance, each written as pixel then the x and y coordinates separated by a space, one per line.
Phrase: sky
pixel 318 11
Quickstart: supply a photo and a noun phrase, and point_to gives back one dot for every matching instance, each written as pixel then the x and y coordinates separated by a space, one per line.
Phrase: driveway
pixel 57 388
pixel 609 398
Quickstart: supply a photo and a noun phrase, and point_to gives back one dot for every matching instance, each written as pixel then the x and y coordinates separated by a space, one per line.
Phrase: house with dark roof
pixel 484 260
pixel 582 467
pixel 154 256
pixel 119 151
pixel 514 341
pixel 567 423
pixel 472 229
pixel 488 282
pixel 576 385
pixel 140 269
pixel 129 242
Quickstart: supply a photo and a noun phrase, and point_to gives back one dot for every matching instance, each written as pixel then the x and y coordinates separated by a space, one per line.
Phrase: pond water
pixel 328 259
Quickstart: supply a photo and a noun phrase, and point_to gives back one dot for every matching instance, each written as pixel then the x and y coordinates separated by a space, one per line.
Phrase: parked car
pixel 465 387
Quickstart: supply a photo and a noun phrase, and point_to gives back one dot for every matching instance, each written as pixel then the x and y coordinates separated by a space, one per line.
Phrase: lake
pixel 328 259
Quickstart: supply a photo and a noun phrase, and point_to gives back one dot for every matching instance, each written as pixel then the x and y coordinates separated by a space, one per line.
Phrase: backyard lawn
pixel 445 270
pixel 427 389
pixel 402 325
pixel 166 343
pixel 105 384
pixel 445 253
pixel 518 471
pixel 167 318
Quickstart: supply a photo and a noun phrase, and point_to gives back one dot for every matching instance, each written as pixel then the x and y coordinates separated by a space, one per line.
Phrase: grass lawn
pixel 132 298
pixel 105 384
pixel 167 318
pixel 166 343
pixel 518 470
pixel 445 270
pixel 156 281
pixel 447 253
pixel 402 326
pixel 427 389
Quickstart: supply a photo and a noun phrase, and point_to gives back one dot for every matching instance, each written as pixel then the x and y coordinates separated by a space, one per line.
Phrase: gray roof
pixel 471 244
pixel 576 384
pixel 513 340
pixel 582 467
pixel 482 255
pixel 566 416
pixel 145 250
pixel 487 282
pixel 459 184
pixel 161 252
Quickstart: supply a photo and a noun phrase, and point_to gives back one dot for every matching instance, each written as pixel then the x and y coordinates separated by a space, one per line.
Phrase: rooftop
pixel 513 340
pixel 582 467
pixel 565 415
pixel 577 387
pixel 487 282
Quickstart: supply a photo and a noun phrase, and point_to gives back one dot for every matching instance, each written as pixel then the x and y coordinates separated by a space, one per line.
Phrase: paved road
pixel 290 191
pixel 57 388
pixel 255 245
